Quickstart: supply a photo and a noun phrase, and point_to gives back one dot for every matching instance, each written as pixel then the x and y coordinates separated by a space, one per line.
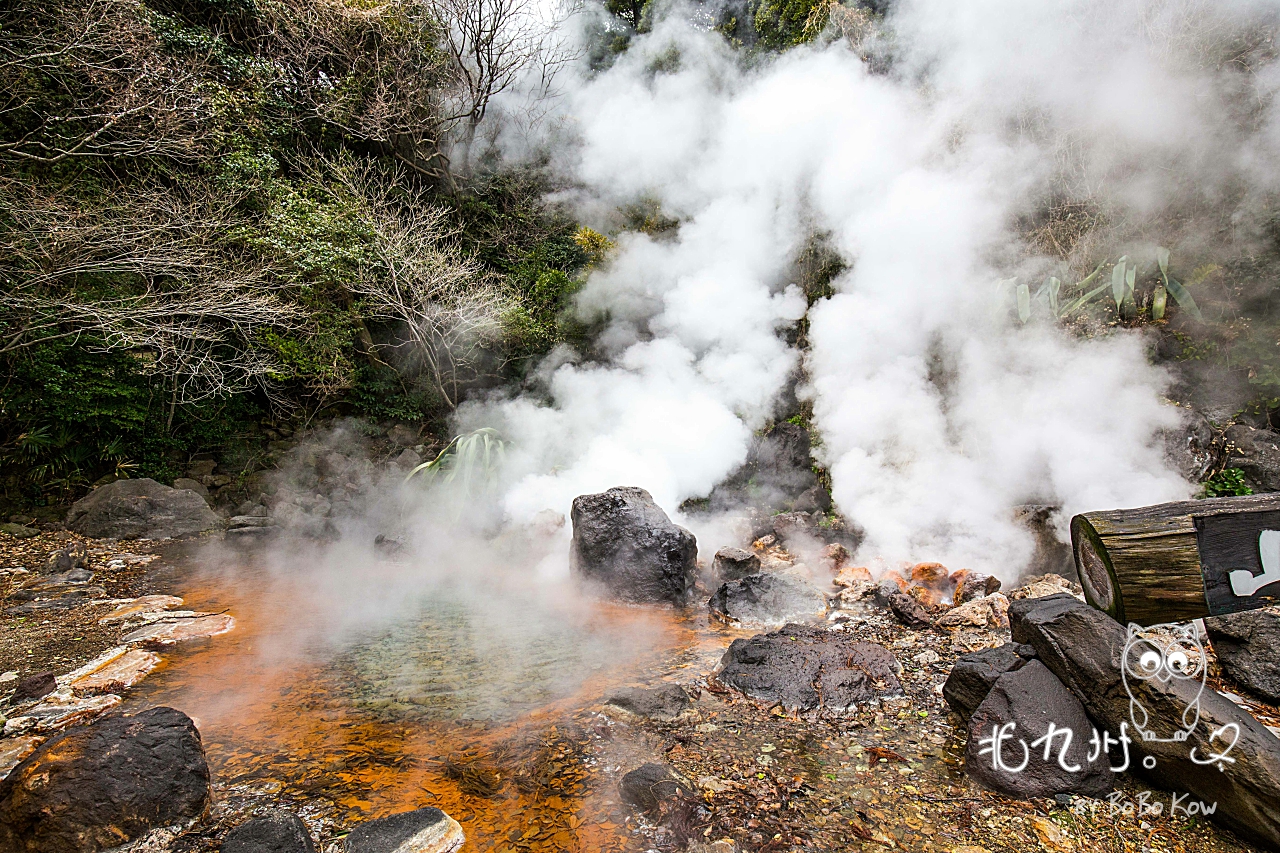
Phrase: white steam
pixel 937 413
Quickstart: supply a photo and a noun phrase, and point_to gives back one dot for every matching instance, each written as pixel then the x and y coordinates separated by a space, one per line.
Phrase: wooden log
pixel 1179 561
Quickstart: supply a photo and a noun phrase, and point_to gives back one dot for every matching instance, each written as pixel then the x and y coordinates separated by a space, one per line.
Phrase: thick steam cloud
pixel 938 412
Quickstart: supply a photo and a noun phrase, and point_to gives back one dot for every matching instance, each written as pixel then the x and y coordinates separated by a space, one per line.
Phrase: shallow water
pixel 459 702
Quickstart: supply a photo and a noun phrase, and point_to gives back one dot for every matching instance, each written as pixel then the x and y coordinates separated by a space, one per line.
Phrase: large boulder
pixel 803 667
pixel 624 542
pixel 276 831
pixel 1084 647
pixel 1248 648
pixel 140 509
pixel 1256 452
pixel 975 673
pixel 105 784
pixel 426 830
pixel 768 599
pixel 1024 703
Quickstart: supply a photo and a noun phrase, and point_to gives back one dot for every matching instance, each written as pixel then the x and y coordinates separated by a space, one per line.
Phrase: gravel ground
pixel 62 639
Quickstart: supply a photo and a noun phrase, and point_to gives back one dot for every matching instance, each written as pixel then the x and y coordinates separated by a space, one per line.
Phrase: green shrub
pixel 1227 482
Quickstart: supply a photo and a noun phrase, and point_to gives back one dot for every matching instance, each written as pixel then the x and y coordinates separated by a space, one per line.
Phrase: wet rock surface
pixel 276 831
pixel 805 668
pixel 141 509
pixel 1029 699
pixel 768 599
pixel 105 784
pixel 1083 647
pixel 650 786
pixel 667 702
pixel 426 830
pixel 625 543
pixel 1248 648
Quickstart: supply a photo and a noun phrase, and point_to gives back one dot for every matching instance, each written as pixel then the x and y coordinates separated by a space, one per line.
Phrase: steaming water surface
pixel 300 708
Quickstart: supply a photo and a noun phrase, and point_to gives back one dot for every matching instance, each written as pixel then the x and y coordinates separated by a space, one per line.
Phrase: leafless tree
pixel 374 74
pixel 91 81
pixel 492 46
pixel 184 300
pixel 449 311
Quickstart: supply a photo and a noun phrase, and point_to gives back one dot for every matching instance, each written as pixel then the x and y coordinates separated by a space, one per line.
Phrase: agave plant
pixel 1171 286
pixel 1124 276
pixel 471 461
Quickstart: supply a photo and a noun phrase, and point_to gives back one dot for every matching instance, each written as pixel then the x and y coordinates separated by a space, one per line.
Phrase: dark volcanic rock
pixel 426 830
pixel 650 785
pixel 813 499
pixel 733 564
pixel 1031 698
pixel 1194 447
pixel 34 686
pixel 276 831
pixel 908 611
pixel 625 542
pixel 140 509
pixel 1248 648
pixel 803 667
pixel 974 675
pixel 105 784
pixel 1256 452
pixel 1083 647
pixel 768 599
pixel 666 702
pixel 1051 555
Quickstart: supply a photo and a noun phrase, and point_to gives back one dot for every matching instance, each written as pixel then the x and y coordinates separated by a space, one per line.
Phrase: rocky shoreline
pixel 845 721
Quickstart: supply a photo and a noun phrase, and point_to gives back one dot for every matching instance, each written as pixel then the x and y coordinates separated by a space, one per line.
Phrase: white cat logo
pixel 1245 583
pixel 1148 655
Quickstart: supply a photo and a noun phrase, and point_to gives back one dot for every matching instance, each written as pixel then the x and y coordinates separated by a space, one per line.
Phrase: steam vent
pixel 452 426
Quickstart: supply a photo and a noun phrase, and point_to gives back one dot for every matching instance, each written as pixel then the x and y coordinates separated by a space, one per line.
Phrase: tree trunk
pixel 1179 561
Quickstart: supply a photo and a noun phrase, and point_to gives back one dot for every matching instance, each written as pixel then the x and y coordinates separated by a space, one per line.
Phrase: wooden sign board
pixel 1178 561
pixel 1239 560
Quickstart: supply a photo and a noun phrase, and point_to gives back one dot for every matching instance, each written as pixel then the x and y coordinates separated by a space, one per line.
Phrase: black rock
pixel 666 702
pixel 1248 648
pixel 140 509
pixel 276 831
pixel 105 784
pixel 1256 452
pixel 649 786
pixel 768 599
pixel 623 541
pixel 732 564
pixel 974 675
pixel 1084 647
pixel 813 499
pixel 34 686
pixel 804 667
pixel 909 611
pixel 1031 698
pixel 426 830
